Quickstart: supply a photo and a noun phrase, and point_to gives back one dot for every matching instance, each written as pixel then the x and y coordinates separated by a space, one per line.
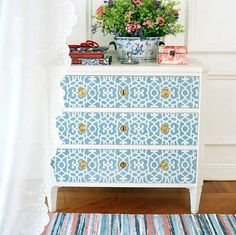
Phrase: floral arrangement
pixel 138 18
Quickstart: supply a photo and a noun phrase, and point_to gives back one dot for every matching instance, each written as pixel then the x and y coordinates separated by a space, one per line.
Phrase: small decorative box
pixel 173 55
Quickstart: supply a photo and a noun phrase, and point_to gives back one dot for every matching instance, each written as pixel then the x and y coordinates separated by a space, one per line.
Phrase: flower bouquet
pixel 138 25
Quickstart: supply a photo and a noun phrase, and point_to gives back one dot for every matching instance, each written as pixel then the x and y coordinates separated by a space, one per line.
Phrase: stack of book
pixel 89 55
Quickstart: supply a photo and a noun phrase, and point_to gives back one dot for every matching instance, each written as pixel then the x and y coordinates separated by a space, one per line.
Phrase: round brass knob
pixel 123 164
pixel 165 92
pixel 123 92
pixel 123 128
pixel 165 128
pixel 164 165
pixel 82 91
pixel 83 164
pixel 82 128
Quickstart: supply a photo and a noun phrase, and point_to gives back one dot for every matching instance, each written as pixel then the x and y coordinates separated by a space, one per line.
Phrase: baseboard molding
pixel 218 171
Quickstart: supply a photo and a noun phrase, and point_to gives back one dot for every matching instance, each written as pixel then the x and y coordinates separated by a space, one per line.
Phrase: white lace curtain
pixel 33 53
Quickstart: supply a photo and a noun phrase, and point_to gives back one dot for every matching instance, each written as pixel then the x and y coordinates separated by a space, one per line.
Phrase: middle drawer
pixel 128 128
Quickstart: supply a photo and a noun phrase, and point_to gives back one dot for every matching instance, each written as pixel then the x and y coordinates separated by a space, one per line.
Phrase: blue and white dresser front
pixel 129 126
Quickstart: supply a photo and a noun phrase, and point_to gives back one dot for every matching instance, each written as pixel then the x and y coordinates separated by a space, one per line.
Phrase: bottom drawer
pixel 125 166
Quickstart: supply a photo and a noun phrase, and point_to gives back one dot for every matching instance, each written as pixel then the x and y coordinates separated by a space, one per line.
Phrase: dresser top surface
pixel 142 68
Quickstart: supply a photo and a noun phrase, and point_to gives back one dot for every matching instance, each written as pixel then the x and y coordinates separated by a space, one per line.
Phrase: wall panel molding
pixel 89 18
pixel 220 140
pixel 220 64
pixel 221 75
pixel 219 159
pixel 214 171
pixel 205 22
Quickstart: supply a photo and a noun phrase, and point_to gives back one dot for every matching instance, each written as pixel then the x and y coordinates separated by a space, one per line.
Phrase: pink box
pixel 173 55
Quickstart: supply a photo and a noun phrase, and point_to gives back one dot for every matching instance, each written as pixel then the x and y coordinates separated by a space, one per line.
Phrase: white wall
pixel 211 38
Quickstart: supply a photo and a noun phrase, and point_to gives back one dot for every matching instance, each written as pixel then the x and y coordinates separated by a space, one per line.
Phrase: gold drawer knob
pixel 165 92
pixel 123 128
pixel 82 91
pixel 123 164
pixel 165 128
pixel 123 92
pixel 164 165
pixel 82 128
pixel 83 164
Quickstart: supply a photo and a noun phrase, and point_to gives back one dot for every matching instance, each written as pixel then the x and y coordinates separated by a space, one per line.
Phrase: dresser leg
pixel 195 195
pixel 52 199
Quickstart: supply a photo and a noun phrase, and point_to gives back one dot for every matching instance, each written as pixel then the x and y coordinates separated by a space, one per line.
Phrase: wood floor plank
pixel 217 197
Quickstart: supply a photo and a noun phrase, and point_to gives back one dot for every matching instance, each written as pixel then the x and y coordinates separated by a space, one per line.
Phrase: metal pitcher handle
pixel 114 44
pixel 161 43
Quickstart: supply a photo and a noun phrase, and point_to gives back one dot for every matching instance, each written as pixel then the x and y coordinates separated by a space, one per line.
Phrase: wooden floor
pixel 217 197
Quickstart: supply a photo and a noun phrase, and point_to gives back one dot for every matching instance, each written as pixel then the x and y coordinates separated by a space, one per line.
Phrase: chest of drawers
pixel 129 126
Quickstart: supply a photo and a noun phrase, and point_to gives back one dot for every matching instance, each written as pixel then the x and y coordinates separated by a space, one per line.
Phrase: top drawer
pixel 131 91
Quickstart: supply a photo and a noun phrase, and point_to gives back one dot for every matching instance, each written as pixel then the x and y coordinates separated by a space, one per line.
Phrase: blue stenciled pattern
pixel 143 128
pixel 104 61
pixel 143 91
pixel 142 166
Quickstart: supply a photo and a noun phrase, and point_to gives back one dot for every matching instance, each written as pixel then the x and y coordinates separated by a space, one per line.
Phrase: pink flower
pixel 131 27
pixel 148 23
pixel 129 14
pixel 175 13
pixel 100 11
pixel 160 20
pixel 137 2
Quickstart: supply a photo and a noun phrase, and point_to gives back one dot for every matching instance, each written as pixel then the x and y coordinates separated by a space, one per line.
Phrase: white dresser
pixel 129 126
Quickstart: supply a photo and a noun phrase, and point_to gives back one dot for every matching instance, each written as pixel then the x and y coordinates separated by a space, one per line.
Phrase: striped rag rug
pixel 127 224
